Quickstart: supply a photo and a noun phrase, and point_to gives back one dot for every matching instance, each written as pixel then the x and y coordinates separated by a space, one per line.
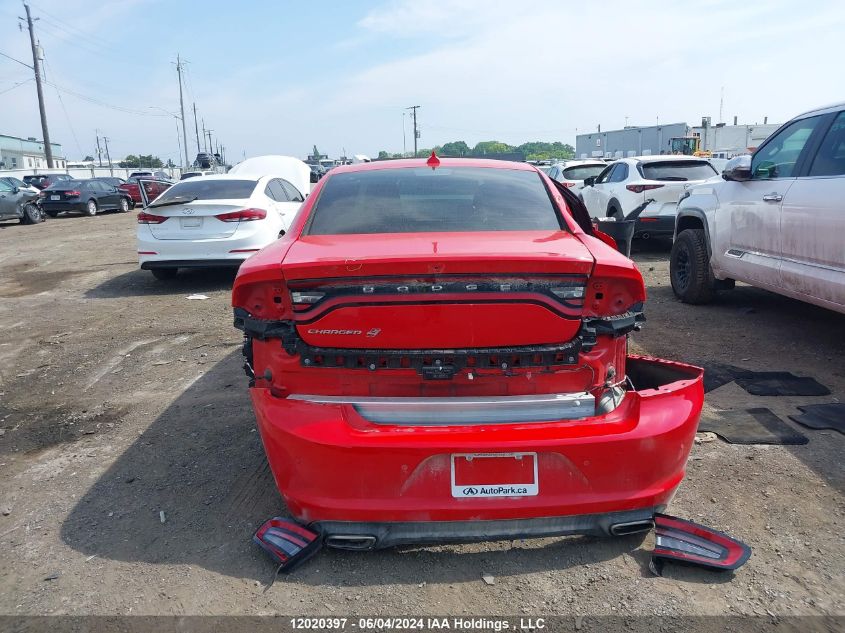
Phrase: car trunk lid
pixel 437 290
pixel 195 220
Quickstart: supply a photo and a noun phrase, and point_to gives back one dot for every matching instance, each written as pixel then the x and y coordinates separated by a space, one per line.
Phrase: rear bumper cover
pixel 362 535
pixel 655 225
pixel 335 468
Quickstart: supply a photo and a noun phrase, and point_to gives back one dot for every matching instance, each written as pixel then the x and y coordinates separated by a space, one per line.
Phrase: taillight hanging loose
pixel 243 215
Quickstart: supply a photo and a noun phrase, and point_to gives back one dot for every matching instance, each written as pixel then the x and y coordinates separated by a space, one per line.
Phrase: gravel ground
pixel 121 399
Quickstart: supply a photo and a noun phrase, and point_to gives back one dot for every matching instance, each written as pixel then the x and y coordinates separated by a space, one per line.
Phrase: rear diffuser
pixel 287 542
pixel 687 542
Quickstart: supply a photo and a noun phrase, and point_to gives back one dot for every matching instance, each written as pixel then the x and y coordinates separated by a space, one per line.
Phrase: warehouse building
pixel 721 140
pixel 630 141
pixel 28 153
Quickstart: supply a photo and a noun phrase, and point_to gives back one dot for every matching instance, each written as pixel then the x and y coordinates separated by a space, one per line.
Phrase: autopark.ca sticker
pixel 523 490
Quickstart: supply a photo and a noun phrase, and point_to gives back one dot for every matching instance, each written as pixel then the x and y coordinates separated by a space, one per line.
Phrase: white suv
pixel 776 220
pixel 628 183
pixel 572 173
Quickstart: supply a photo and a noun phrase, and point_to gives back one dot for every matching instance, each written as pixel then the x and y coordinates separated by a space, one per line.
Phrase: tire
pixel 52 214
pixel 613 212
pixel 31 214
pixel 689 268
pixel 123 207
pixel 91 208
pixel 165 274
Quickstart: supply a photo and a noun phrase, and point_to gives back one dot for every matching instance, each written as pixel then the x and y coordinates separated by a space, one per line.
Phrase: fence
pixel 92 172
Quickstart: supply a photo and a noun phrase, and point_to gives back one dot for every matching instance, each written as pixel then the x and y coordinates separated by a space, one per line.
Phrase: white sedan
pixel 629 182
pixel 216 220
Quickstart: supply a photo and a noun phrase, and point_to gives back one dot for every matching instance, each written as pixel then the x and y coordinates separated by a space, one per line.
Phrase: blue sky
pixel 279 77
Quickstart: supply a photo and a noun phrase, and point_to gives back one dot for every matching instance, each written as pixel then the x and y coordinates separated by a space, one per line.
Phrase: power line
pixel 74 31
pixel 15 60
pixel 67 116
pixel 17 85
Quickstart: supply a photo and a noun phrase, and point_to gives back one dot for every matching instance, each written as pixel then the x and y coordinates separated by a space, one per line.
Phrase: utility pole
pixel 36 66
pixel 182 107
pixel 99 151
pixel 416 131
pixel 210 149
pixel 204 146
pixel 108 156
pixel 196 128
pixel 404 149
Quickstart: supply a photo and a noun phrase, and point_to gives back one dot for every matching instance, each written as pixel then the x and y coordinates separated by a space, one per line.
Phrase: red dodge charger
pixel 438 352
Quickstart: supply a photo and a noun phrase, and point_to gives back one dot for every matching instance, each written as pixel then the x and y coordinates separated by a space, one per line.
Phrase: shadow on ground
pixel 202 464
pixel 141 283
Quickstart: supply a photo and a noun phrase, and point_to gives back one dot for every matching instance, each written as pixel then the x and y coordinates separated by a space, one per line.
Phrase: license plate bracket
pixel 485 475
pixel 190 223
pixel 55 197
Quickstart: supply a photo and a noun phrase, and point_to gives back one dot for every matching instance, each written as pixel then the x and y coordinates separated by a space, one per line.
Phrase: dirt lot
pixel 121 399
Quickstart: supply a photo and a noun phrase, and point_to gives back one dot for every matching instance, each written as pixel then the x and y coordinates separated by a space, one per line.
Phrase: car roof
pixel 444 162
pixel 234 177
pixel 821 110
pixel 663 158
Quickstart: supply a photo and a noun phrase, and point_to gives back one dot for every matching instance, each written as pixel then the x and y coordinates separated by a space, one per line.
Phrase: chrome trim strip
pixel 463 410
pixel 550 398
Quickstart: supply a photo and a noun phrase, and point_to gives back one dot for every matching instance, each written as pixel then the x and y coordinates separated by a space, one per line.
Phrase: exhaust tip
pixel 631 527
pixel 355 542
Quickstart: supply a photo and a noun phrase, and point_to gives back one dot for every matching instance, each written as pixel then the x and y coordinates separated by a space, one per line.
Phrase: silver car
pixel 19 202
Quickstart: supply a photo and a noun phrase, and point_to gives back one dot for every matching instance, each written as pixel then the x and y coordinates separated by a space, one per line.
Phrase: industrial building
pixel 28 153
pixel 720 140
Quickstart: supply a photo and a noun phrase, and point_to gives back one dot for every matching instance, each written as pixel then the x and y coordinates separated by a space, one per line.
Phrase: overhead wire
pixel 67 116
pixel 17 85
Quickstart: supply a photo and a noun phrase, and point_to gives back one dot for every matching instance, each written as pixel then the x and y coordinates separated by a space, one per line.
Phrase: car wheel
pixel 164 274
pixel 613 212
pixel 52 214
pixel 91 208
pixel 124 206
pixel 31 214
pixel 689 268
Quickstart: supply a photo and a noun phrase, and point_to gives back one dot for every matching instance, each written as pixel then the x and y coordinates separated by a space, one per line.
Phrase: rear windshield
pixel 68 184
pixel 580 172
pixel 678 170
pixel 422 200
pixel 207 189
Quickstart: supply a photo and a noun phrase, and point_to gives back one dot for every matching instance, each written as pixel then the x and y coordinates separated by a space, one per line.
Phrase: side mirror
pixel 738 169
pixel 589 182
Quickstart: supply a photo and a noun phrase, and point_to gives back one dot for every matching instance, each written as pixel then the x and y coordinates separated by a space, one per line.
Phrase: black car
pixel 317 172
pixel 42 181
pixel 86 196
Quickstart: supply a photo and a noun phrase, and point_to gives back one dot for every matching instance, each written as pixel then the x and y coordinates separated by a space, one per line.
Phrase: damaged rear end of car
pixel 441 355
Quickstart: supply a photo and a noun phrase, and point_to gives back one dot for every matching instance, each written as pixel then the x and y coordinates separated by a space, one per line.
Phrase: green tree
pixel 491 147
pixel 454 148
pixel 383 155
pixel 88 159
pixel 541 150
pixel 147 160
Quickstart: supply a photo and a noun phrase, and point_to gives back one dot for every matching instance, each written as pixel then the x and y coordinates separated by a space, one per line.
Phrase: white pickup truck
pixel 775 220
